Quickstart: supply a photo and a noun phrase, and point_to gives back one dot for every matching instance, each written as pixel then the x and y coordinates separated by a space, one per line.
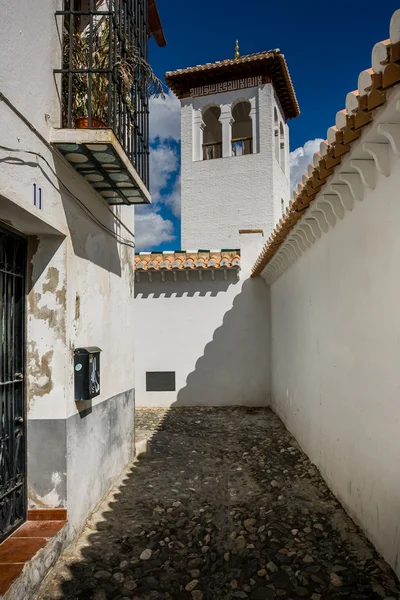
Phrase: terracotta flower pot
pixel 83 123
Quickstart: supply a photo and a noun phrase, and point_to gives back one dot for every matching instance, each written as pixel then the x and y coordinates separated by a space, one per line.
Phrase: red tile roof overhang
pixel 270 65
pixel 155 25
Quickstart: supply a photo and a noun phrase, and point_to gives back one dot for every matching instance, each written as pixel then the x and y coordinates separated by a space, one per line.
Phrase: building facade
pixel 235 147
pixel 66 251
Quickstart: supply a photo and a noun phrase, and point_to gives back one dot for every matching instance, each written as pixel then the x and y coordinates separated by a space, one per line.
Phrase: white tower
pixel 235 146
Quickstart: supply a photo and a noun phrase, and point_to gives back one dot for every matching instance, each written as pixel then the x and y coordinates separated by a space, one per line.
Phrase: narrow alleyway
pixel 225 506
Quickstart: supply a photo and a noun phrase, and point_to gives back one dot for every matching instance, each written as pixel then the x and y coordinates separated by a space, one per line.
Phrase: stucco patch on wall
pixel 42 313
pixel 53 278
pixel 52 498
pixel 39 371
pixel 47 463
pixel 41 306
pixel 77 307
pixel 127 261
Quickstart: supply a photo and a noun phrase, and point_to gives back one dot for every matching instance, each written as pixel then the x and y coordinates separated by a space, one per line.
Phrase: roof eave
pixel 155 24
pixel 179 79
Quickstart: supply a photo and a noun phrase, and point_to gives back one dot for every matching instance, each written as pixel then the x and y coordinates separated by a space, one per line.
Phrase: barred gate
pixel 12 385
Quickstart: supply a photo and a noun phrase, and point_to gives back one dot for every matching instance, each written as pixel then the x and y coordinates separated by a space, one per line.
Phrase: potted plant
pixel 128 67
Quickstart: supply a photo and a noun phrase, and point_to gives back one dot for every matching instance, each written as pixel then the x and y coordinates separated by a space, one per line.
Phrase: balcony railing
pixel 105 78
pixel 242 146
pixel 212 150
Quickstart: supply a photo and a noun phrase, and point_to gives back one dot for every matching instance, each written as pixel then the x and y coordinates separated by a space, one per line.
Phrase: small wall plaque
pixel 160 381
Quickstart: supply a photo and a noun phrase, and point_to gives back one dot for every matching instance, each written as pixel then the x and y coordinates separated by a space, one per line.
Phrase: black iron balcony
pixel 105 87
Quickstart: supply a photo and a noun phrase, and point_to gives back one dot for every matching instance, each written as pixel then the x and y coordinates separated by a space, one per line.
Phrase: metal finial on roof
pixel 237 53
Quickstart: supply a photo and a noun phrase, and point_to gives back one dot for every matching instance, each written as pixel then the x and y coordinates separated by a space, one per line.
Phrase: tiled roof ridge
pixel 359 112
pixel 188 259
pixel 225 61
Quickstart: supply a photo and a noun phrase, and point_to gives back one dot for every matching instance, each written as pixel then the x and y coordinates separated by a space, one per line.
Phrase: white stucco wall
pixel 29 52
pixel 213 334
pixel 281 165
pixel 80 281
pixel 221 196
pixel 335 349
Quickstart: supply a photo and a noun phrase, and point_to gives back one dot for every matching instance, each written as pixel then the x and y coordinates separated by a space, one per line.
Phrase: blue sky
pixel 325 51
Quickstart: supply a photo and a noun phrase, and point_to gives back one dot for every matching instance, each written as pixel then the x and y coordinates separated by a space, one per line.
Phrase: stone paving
pixel 225 506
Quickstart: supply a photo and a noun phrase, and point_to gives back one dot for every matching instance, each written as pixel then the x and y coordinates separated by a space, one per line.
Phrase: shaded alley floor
pixel 225 506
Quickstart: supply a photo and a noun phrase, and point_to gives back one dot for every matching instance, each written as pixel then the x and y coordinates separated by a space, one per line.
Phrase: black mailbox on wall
pixel 87 372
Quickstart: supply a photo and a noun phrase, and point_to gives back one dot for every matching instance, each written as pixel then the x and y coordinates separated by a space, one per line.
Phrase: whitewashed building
pixel 67 255
pixel 314 331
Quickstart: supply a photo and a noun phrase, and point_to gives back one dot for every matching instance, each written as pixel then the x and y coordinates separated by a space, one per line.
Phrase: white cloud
pixel 165 118
pixel 164 164
pixel 173 200
pixel 151 230
pixel 300 159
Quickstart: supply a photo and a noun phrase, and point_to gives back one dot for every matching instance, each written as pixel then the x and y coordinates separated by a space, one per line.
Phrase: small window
pixel 283 206
pixel 212 134
pixel 282 147
pixel 160 381
pixel 277 145
pixel 242 129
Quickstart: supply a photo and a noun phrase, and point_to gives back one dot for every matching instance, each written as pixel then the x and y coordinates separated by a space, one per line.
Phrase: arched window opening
pixel 276 141
pixel 283 206
pixel 212 133
pixel 282 146
pixel 275 115
pixel 242 129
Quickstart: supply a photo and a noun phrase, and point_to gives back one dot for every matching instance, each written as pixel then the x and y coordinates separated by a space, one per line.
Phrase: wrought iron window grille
pixel 12 383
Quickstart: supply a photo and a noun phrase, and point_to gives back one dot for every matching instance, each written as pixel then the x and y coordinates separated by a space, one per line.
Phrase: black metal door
pixel 12 385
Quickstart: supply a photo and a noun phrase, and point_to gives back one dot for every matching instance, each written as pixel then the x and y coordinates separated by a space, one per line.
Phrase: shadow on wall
pixel 41 251
pixel 96 245
pixel 89 240
pixel 235 366
pixel 157 288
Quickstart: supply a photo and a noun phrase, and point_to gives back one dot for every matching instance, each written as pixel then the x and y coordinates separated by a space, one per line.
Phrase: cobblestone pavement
pixel 225 506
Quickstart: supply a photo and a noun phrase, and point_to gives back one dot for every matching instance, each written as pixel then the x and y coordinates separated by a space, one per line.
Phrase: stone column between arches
pixel 198 128
pixel 226 122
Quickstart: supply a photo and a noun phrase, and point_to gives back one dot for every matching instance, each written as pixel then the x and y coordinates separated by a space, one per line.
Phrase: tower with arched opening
pixel 235 146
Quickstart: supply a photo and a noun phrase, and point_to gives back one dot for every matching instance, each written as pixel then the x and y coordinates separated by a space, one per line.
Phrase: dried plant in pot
pixel 105 79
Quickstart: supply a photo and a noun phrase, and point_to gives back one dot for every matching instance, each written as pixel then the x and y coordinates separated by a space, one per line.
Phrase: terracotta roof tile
pixel 181 260
pixel 359 112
